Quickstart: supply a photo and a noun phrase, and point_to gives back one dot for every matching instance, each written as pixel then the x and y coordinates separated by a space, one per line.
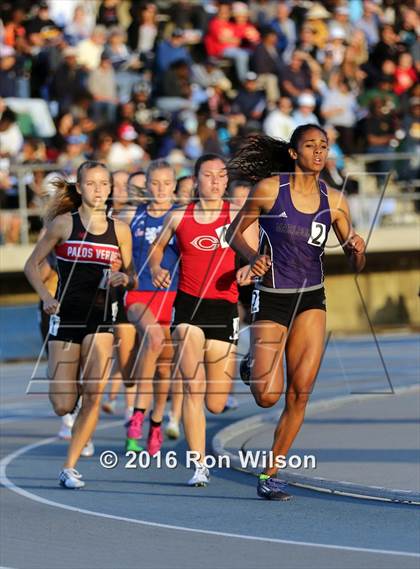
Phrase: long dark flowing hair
pixel 262 156
pixel 66 197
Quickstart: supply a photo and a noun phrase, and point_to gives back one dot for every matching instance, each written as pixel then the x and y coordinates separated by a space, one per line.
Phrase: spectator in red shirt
pixel 14 27
pixel 405 74
pixel 243 28
pixel 221 41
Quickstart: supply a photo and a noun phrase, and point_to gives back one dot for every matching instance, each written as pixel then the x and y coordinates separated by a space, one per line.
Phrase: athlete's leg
pixel 189 361
pixel 63 371
pixel 220 361
pixel 96 359
pixel 176 396
pixel 125 338
pixel 304 349
pixel 115 380
pixel 162 379
pixel 267 347
pixel 151 340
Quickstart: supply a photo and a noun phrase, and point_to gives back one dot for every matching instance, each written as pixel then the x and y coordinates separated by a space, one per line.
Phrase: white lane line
pixel 5 481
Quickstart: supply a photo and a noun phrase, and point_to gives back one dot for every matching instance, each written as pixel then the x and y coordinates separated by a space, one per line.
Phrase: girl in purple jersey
pixel 295 212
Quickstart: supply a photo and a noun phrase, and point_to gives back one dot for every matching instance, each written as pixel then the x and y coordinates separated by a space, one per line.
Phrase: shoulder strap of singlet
pixel 323 188
pixel 78 227
pixel 141 208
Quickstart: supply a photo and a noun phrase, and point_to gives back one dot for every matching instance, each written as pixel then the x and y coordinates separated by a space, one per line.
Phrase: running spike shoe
pixel 154 440
pixel 273 489
pixel 201 476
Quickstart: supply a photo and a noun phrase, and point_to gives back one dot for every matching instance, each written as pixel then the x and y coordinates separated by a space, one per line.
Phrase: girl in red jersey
pixel 205 322
pixel 87 244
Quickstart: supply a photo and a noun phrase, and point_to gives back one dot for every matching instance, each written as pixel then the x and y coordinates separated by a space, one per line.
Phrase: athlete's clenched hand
pixel 244 276
pixel 260 265
pixel 116 278
pixel 50 305
pixel 161 278
pixel 356 245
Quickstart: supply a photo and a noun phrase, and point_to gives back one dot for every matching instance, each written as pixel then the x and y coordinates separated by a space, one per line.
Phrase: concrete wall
pixel 391 299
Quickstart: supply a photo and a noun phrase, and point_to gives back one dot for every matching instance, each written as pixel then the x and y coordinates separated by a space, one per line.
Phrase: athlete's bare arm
pixel 244 275
pixel 353 245
pixel 161 278
pixel 57 231
pixel 260 201
pixel 127 276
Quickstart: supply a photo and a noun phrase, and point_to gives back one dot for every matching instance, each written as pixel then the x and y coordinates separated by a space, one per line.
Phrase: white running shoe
pixel 67 422
pixel 172 428
pixel 108 406
pixel 201 476
pixel 70 478
pixel 88 449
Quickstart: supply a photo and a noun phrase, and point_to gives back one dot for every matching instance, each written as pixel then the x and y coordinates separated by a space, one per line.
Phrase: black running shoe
pixel 245 369
pixel 273 489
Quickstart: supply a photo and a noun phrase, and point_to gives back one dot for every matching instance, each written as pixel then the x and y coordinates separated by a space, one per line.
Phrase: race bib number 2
pixel 318 234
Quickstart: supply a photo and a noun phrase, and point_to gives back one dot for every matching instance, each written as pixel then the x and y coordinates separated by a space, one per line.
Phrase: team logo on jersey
pixel 205 243
pixel 210 242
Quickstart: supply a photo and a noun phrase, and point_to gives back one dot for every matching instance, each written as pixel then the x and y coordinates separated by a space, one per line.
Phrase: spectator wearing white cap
pixel 316 17
pixel 8 76
pixel 125 153
pixel 279 123
pixel 341 20
pixel 335 47
pixel 304 113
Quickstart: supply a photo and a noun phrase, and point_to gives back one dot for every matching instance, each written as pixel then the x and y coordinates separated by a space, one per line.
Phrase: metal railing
pixel 404 192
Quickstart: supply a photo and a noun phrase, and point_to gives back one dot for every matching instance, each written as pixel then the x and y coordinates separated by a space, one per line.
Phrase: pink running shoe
pixel 135 426
pixel 154 440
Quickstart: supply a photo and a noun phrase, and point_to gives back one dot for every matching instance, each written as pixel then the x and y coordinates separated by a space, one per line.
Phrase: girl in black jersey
pixel 87 246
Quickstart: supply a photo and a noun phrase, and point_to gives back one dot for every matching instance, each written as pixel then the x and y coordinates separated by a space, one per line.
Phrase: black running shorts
pixel 283 307
pixel 218 319
pixel 66 327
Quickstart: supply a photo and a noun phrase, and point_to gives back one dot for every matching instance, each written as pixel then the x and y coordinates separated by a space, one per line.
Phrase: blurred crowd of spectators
pixel 129 81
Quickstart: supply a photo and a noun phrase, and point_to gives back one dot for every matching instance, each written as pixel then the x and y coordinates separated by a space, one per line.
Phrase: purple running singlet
pixel 295 242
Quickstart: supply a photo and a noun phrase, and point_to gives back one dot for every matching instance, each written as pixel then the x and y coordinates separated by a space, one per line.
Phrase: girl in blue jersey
pixel 87 244
pixel 295 212
pixel 150 308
